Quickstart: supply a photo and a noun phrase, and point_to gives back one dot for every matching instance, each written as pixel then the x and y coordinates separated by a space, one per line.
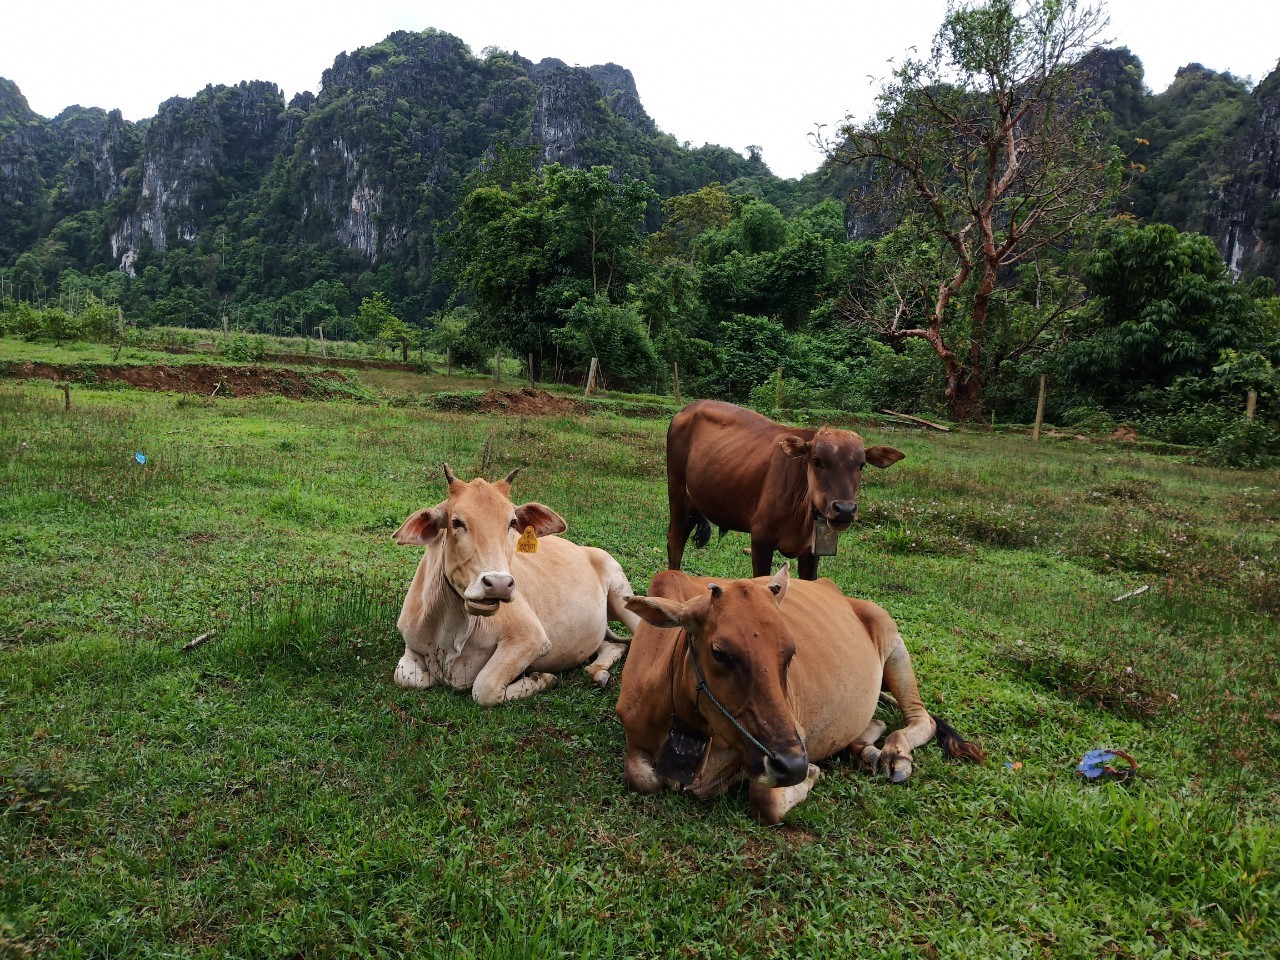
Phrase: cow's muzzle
pixel 841 513
pixel 488 591
pixel 787 769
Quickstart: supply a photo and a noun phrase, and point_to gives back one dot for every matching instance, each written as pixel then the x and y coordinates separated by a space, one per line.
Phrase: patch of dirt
pixel 1125 432
pixel 529 402
pixel 190 378
pixel 313 360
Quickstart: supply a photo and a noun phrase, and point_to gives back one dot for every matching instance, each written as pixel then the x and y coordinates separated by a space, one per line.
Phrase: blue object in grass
pixel 1095 763
pixel 140 457
pixel 1107 764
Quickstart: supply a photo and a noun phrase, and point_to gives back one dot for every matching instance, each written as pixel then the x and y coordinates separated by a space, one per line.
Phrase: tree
pixel 524 252
pixel 688 217
pixel 596 222
pixel 1164 307
pixel 988 147
pixel 374 314
pixel 395 332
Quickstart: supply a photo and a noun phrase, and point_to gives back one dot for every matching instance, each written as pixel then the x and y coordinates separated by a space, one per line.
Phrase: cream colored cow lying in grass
pixel 499 605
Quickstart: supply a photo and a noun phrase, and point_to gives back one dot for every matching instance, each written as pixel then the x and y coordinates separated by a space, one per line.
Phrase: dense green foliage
pixel 431 198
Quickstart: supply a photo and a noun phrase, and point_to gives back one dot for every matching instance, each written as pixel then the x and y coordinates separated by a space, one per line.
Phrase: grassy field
pixel 272 793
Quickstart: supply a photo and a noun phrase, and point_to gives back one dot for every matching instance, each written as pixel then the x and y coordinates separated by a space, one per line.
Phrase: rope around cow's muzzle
pixel 703 688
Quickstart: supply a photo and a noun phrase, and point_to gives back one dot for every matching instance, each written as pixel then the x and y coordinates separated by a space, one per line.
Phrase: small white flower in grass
pixel 1173 697
pixel 1019 643
pixel 1128 669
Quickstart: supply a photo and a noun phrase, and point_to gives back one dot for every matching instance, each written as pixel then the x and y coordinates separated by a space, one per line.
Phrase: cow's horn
pixel 716 590
pixel 448 475
pixel 512 475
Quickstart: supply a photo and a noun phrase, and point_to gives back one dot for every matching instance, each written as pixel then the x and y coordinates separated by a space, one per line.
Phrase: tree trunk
pixel 964 394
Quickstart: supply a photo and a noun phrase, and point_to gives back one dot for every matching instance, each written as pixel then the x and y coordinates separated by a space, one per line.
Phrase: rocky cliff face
pixel 1247 226
pixel 197 153
pixel 355 178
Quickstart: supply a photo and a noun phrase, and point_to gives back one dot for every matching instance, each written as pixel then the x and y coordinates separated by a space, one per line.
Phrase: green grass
pixel 272 793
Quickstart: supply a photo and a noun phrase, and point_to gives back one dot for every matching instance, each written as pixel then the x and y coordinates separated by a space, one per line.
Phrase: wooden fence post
pixel 66 395
pixel 591 376
pixel 448 363
pixel 1035 434
pixel 675 380
pixel 531 369
pixel 497 365
pixel 1250 404
pixel 324 350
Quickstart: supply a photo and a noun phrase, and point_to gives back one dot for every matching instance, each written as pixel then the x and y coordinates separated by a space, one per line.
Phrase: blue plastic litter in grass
pixel 1094 763
pixel 1098 764
pixel 140 457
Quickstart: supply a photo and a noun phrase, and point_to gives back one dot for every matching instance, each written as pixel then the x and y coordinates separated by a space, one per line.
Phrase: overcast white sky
pixel 735 74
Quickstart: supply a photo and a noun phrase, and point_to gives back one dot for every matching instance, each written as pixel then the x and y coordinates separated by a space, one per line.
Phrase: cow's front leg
pixel 770 804
pixel 501 678
pixel 412 673
pixel 807 565
pixel 762 556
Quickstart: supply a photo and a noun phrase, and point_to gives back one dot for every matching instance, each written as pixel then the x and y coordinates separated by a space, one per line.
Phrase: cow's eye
pixel 719 656
pixel 458 524
pixel 817 464
pixel 515 524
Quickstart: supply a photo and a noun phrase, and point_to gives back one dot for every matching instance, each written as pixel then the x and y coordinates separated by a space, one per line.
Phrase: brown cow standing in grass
pixel 502 621
pixel 732 467
pixel 724 681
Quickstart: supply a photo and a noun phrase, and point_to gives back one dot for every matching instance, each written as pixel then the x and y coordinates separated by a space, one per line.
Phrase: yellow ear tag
pixel 528 542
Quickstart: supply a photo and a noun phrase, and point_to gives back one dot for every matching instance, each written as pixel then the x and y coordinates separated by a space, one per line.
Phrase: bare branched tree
pixel 988 150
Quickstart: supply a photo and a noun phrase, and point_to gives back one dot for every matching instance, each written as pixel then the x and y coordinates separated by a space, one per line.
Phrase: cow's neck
pixel 795 492
pixel 445 610
pixel 684 686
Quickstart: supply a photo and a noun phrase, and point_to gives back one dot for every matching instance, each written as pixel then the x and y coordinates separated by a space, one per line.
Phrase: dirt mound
pixel 1125 432
pixel 529 402
pixel 190 378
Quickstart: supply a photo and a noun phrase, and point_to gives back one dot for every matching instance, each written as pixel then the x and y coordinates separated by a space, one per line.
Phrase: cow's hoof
pixel 869 759
pixel 896 767
pixel 410 673
pixel 600 678
pixel 547 681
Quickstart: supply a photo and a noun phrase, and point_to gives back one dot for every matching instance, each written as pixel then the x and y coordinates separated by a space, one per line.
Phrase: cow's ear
pixel 794 446
pixel 883 456
pixel 543 519
pixel 778 585
pixel 421 528
pixel 656 610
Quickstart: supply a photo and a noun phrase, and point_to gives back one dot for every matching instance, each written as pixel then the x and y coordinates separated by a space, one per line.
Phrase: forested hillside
pixel 427 195
pixel 234 196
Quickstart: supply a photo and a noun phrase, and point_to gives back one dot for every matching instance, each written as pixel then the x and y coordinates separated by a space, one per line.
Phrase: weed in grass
pixel 1102 682
pixel 34 791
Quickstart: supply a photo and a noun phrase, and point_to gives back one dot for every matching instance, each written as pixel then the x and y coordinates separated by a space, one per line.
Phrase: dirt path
pixel 189 378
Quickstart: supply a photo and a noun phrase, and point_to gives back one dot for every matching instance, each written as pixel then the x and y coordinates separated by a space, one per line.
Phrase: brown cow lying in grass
pixel 725 681
pixel 483 615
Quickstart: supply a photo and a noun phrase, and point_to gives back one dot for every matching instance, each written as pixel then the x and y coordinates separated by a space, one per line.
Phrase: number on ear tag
pixel 528 542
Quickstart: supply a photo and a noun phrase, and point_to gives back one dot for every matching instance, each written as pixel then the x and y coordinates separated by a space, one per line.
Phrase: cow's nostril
pixel 789 769
pixel 845 508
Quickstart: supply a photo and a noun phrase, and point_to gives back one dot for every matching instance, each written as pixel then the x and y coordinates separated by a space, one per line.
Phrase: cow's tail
pixel 955 746
pixel 701 531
